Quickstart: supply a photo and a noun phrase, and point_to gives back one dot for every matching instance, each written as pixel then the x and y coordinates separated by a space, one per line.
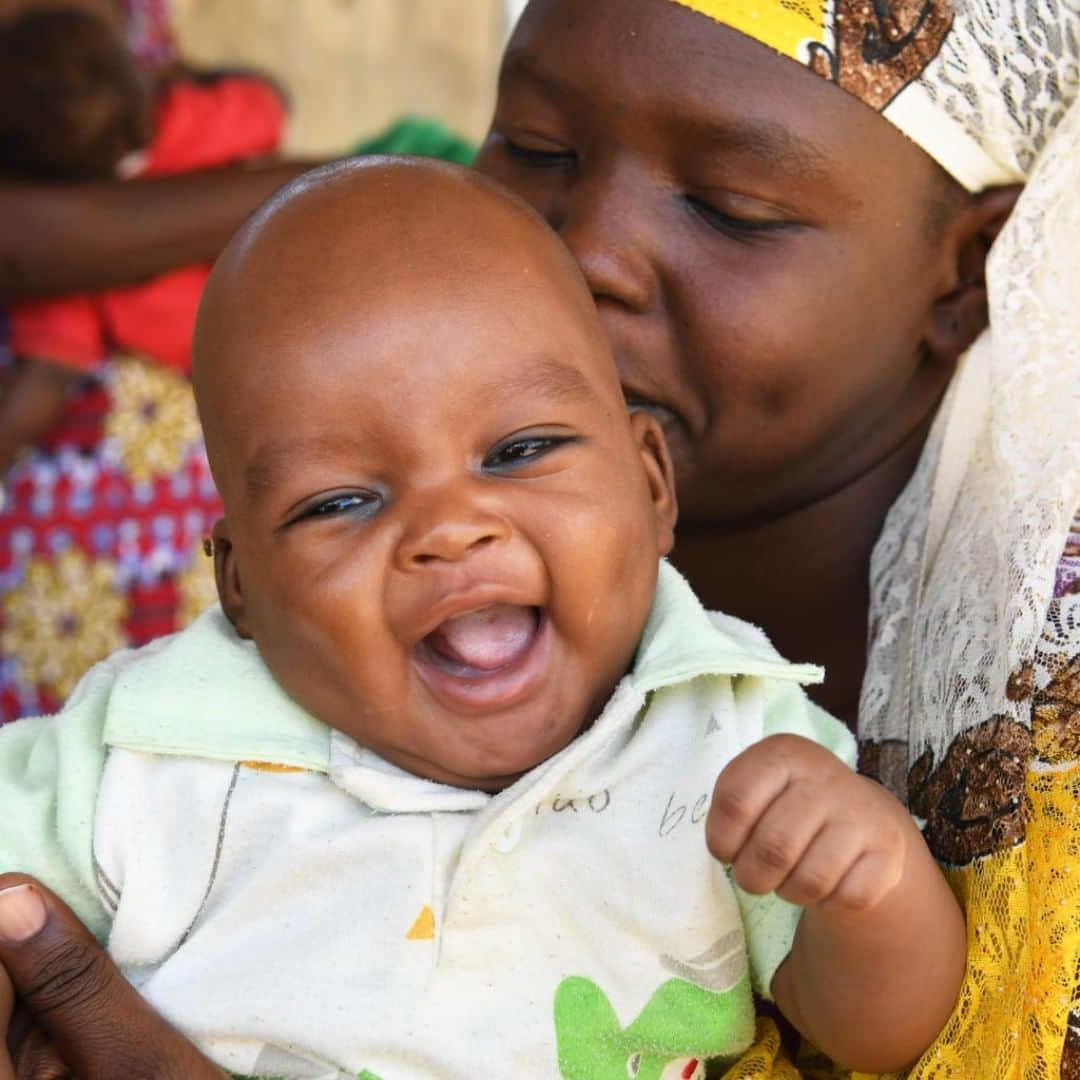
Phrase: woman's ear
pixel 660 476
pixel 959 314
pixel 227 576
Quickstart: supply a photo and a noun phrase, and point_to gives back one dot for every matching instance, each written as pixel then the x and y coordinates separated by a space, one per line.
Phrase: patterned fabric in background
pixel 103 518
pixel 100 533
pixel 98 527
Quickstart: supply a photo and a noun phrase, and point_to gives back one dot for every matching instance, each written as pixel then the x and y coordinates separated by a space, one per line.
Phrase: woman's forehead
pixel 944 73
pixel 656 70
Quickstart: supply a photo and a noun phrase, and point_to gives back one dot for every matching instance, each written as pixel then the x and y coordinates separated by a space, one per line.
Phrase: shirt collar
pixel 682 641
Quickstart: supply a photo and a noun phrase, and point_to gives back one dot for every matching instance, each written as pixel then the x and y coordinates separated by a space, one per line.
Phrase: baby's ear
pixel 227 575
pixel 660 475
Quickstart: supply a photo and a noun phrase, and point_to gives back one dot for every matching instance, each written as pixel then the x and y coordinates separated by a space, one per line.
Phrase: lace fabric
pixel 971 702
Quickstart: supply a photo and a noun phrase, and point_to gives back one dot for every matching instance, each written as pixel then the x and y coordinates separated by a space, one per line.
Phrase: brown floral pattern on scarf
pixel 882 45
pixel 973 801
pixel 886 762
pixel 1055 715
pixel 1055 708
pixel 1070 1054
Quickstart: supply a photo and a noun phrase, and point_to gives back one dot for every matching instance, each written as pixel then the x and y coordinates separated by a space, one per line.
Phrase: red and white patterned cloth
pixel 102 522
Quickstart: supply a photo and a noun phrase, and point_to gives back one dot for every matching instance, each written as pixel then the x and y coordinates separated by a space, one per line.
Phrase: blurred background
pixel 352 67
pixel 135 137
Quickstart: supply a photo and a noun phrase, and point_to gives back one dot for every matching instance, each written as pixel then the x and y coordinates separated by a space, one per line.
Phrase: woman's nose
pixel 599 217
pixel 448 530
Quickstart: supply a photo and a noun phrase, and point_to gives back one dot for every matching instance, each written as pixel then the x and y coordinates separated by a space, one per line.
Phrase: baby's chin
pixel 491 770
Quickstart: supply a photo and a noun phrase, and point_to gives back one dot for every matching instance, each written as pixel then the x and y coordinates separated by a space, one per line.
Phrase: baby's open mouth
pixel 483 641
pixel 492 658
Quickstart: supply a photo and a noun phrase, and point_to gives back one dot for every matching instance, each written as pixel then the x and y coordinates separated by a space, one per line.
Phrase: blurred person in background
pixel 107 494
pixel 94 235
pixel 101 519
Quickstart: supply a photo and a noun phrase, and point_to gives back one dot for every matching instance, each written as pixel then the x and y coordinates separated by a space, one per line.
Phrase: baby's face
pixel 442 527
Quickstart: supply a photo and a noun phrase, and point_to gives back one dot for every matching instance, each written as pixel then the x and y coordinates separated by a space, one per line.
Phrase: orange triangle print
pixel 424 927
pixel 271 766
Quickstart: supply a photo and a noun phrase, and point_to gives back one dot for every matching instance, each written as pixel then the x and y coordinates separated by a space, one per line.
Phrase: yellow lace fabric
pixel 1002 813
pixel 1023 910
pixel 766 1059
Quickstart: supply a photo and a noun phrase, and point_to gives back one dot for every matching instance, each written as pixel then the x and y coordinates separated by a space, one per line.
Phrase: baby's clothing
pixel 299 906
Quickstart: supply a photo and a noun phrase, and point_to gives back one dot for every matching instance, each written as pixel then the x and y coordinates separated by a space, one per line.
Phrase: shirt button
pixel 509 839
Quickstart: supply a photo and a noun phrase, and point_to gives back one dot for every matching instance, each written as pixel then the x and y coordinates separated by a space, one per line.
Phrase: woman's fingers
pixel 37 1059
pixel 7 1000
pixel 7 1005
pixel 98 1024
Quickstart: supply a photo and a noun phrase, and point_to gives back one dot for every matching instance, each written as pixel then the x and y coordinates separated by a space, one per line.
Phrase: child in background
pixel 106 489
pixel 430 793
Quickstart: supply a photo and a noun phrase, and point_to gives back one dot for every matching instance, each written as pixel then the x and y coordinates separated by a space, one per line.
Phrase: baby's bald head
pixel 369 248
pixel 413 417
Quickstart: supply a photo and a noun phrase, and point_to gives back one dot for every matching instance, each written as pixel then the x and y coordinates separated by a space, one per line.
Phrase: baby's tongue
pixel 487 639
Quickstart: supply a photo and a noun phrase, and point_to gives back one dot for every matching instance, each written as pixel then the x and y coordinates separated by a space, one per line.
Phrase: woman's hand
pixel 7 1004
pixel 85 1019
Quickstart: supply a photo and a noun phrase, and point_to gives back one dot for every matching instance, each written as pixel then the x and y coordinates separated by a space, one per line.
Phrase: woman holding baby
pixel 871 419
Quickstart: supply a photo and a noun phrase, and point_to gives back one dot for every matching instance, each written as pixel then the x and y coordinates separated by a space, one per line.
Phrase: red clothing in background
pixel 198 125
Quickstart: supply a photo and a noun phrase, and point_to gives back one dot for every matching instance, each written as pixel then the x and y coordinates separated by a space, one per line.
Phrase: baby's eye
pixel 521 450
pixel 365 503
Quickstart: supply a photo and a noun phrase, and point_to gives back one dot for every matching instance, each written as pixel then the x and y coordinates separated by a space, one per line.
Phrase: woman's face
pixel 760 244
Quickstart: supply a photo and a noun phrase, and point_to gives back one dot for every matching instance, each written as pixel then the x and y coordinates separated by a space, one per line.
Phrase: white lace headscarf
pixel 963 574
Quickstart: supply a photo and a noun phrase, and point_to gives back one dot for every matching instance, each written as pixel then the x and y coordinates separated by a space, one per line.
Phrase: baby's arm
pixel 879 953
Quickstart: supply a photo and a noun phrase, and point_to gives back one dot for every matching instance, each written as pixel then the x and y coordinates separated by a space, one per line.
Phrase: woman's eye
pixel 518 452
pixel 537 155
pixel 349 502
pixel 732 223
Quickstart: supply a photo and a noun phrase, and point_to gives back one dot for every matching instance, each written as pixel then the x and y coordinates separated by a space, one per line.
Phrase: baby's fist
pixel 791 818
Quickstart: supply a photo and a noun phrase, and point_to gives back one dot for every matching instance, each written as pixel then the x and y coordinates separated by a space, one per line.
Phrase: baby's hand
pixel 791 817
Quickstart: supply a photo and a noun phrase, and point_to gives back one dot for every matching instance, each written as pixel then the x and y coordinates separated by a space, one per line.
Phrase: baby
pixel 433 792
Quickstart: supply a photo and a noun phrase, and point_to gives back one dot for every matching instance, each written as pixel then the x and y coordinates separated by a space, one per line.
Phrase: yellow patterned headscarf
pixel 978 84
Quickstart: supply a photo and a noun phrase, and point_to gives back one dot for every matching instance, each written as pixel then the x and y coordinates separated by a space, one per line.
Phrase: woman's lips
pixel 487 660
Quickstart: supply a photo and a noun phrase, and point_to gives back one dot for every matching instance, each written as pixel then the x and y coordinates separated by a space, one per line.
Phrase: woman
pixel 789 282
pixel 789 278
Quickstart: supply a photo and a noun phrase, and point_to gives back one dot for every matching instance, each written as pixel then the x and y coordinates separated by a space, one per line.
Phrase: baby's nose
pixel 450 537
